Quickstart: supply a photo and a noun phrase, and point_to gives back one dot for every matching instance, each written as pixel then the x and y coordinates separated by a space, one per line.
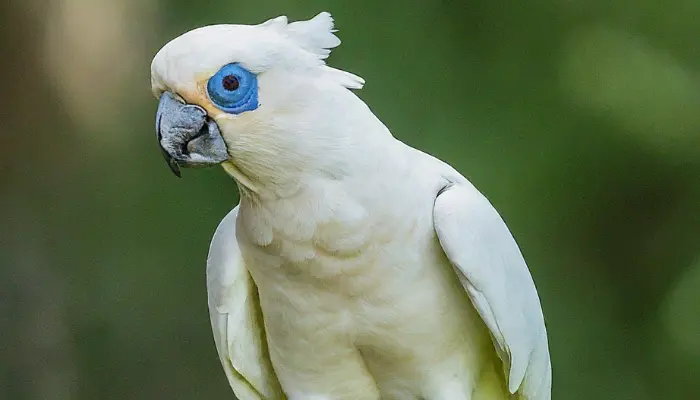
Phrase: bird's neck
pixel 346 141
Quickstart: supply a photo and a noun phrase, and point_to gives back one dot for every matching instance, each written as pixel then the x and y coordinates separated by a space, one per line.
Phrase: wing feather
pixel 493 272
pixel 236 318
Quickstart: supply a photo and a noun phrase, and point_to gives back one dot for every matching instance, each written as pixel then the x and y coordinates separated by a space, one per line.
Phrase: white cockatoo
pixel 354 267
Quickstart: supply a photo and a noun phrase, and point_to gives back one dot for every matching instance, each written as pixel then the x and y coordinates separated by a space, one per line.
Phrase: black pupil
pixel 230 83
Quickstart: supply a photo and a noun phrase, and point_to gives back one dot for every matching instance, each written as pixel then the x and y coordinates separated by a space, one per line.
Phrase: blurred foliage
pixel 579 120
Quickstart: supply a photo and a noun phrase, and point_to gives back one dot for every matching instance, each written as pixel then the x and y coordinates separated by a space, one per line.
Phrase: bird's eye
pixel 233 89
pixel 230 83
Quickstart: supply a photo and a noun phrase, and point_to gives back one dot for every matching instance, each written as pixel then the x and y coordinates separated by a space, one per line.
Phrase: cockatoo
pixel 354 266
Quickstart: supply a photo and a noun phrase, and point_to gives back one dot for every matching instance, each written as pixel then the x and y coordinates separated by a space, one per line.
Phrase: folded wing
pixel 236 318
pixel 494 274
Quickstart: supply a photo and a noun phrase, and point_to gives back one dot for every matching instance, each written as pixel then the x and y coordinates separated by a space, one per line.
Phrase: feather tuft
pixel 344 78
pixel 315 35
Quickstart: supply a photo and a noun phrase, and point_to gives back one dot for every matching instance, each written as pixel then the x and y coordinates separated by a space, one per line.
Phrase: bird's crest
pixel 317 36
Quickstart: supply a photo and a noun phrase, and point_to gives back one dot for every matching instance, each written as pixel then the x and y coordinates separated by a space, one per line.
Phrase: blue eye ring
pixel 233 89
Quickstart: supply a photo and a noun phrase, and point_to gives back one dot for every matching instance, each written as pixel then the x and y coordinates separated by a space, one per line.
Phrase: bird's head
pixel 254 98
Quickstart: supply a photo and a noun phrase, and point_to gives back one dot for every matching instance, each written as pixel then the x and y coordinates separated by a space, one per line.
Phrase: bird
pixel 354 266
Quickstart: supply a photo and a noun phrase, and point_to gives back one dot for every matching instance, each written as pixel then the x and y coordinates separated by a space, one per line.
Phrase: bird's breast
pixel 330 240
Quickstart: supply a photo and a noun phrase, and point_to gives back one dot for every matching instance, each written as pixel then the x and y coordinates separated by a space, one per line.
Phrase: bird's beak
pixel 187 136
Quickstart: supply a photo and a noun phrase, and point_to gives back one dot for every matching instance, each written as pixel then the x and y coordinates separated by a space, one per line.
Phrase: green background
pixel 579 120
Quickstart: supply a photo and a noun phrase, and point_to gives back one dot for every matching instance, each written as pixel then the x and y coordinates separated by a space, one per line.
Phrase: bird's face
pixel 235 93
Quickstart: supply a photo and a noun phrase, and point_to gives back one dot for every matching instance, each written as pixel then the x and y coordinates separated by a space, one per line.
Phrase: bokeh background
pixel 580 120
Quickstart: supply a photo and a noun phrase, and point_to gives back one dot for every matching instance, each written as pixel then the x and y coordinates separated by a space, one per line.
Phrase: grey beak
pixel 187 136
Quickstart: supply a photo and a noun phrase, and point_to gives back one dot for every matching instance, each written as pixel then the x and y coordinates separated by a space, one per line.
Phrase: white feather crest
pixel 317 37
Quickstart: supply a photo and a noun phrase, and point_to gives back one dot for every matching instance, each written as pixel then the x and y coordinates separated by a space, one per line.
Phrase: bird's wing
pixel 494 274
pixel 236 318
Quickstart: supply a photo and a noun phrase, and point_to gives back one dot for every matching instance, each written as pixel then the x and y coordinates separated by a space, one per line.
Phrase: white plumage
pixel 354 267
